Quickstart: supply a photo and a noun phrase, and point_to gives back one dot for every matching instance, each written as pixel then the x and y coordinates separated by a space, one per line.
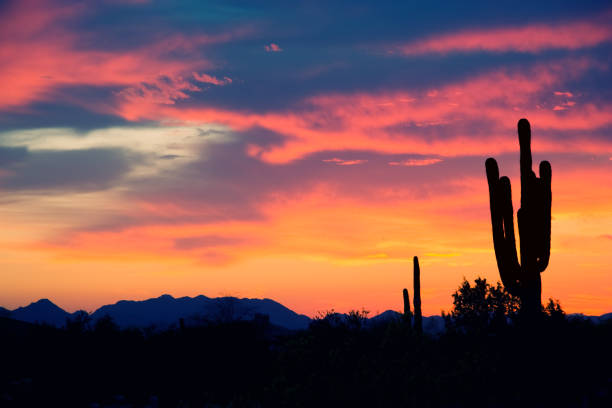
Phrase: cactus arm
pixel 418 317
pixel 502 222
pixel 543 254
pixel 496 215
pixel 510 269
pixel 407 314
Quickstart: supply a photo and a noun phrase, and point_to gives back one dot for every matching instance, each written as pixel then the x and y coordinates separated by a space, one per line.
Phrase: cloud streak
pixel 416 162
pixel 533 38
pixel 209 79
pixel 63 171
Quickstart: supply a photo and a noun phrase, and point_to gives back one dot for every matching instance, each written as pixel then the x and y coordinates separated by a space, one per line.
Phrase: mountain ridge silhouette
pixel 166 310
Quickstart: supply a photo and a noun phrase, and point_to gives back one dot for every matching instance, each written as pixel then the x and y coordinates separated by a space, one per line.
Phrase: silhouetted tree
pixel 106 325
pixel 481 306
pixel 80 322
pixel 326 319
pixel 522 280
pixel 228 309
pixel 356 319
pixel 554 311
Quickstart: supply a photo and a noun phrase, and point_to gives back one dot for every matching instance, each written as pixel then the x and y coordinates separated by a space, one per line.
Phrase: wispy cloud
pixel 415 162
pixel 205 241
pixel 209 79
pixel 342 162
pixel 531 38
pixel 272 47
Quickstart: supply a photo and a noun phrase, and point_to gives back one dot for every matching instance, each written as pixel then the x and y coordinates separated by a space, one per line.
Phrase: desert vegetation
pixel 340 360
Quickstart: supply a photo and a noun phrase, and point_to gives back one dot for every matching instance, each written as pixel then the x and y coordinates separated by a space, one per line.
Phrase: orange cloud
pixel 530 38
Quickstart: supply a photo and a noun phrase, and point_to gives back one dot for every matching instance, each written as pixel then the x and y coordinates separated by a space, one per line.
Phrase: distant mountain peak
pixel 41 311
pixel 43 303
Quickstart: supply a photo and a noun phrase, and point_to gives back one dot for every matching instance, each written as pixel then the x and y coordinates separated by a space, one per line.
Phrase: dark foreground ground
pixel 333 364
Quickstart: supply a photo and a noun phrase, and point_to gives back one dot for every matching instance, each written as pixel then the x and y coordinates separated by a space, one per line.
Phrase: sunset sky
pixel 301 151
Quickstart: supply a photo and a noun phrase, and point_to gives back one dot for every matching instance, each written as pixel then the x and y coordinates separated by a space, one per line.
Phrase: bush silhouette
pixel 80 322
pixel 481 306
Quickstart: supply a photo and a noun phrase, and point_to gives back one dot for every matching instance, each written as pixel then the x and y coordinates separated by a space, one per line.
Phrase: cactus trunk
pixel 533 218
pixel 418 317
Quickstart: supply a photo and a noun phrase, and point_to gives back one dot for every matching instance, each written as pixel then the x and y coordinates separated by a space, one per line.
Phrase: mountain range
pixel 165 311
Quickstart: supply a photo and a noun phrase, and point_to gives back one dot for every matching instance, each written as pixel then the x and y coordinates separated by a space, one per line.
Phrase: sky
pixel 302 151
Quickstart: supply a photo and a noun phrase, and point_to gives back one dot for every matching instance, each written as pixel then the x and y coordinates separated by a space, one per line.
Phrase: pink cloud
pixel 273 48
pixel 565 105
pixel 415 162
pixel 529 38
pixel 40 54
pixel 564 93
pixel 208 79
pixel 394 122
pixel 162 90
pixel 342 162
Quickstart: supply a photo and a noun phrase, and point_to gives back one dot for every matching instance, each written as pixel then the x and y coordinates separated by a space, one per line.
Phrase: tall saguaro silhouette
pixel 533 218
pixel 418 317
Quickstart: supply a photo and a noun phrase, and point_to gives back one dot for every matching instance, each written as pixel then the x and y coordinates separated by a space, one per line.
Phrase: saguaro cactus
pixel 407 313
pixel 522 280
pixel 418 317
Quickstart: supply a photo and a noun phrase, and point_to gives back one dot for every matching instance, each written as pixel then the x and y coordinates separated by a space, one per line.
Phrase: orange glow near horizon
pixel 154 154
pixel 315 254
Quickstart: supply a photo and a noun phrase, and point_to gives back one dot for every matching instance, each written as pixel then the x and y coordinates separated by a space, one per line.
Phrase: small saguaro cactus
pixel 407 313
pixel 418 317
pixel 533 218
